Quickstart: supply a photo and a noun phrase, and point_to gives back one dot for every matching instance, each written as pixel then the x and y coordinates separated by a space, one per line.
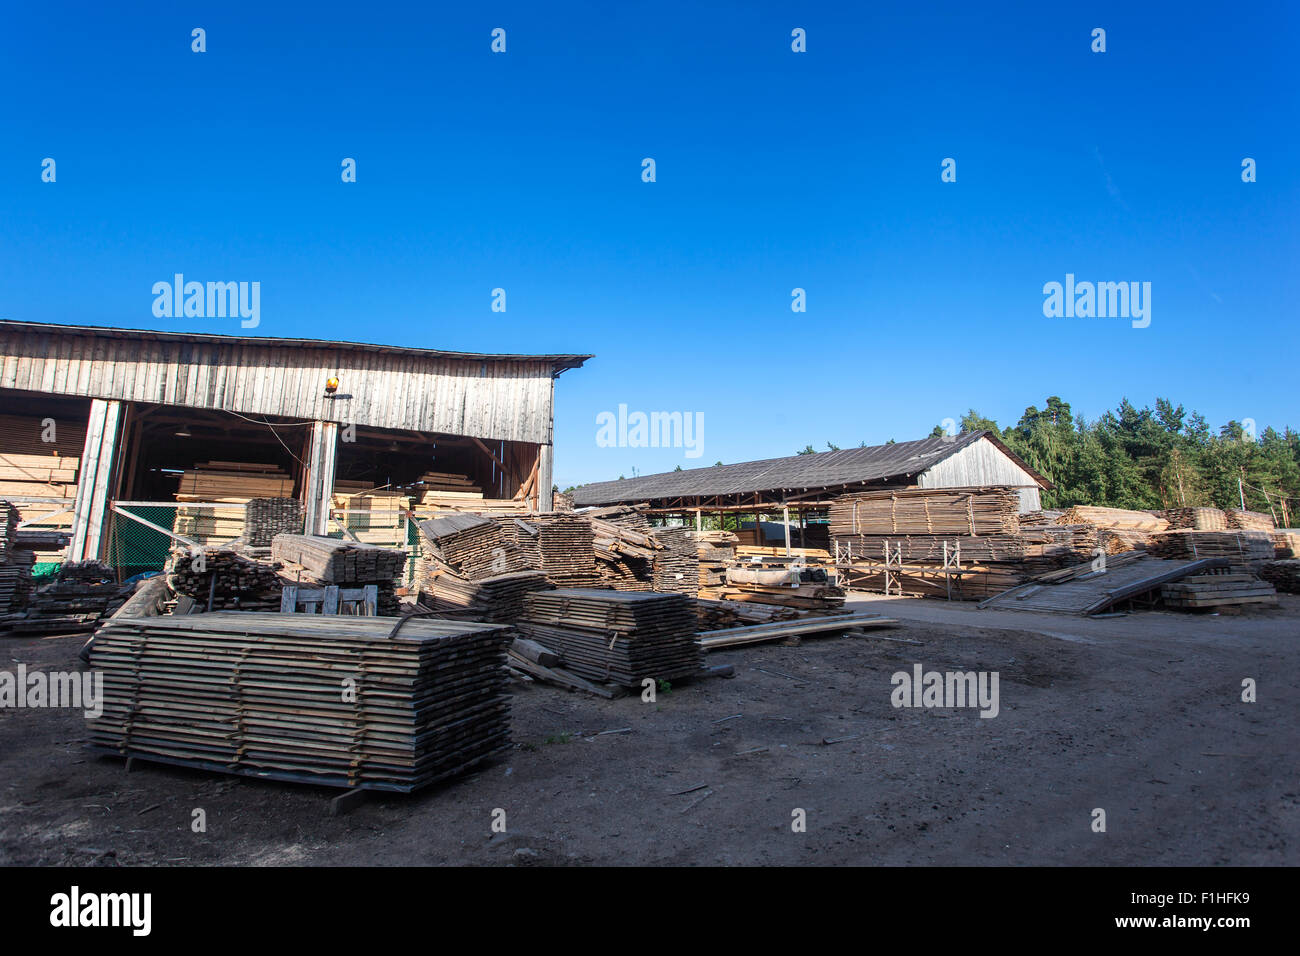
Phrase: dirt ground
pixel 1140 716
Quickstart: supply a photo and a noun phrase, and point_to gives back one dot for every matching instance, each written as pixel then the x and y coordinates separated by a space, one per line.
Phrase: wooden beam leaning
pixel 91 506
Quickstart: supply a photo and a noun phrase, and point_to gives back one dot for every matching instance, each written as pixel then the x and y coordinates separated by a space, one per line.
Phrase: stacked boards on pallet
pixel 470 565
pixel 317 561
pixel 219 579
pixel 79 596
pixel 1217 590
pixel 715 615
pixel 9 517
pixel 264 518
pixel 1242 548
pixel 676 566
pixel 258 694
pixel 1117 518
pixel 1283 575
pixel 616 637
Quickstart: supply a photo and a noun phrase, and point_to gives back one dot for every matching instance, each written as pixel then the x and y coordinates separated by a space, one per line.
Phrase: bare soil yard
pixel 1141 716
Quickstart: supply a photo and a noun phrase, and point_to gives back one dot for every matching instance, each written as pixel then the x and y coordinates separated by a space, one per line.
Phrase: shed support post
pixel 94 481
pixel 319 479
pixel 545 467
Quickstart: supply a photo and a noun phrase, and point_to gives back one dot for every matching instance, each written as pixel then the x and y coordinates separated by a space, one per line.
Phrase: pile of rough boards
pixel 75 601
pixel 616 637
pixel 233 481
pixel 472 566
pixel 266 695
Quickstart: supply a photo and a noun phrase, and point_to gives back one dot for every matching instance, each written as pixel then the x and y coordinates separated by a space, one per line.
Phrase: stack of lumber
pixel 561 502
pixel 1286 543
pixel 624 547
pixel 471 546
pixel 968 511
pixel 438 492
pixel 1046 516
pixel 448 483
pixel 676 566
pixel 15 587
pixel 373 517
pixel 321 562
pixel 714 615
pixel 233 481
pixel 1217 590
pixel 208 526
pixel 231 581
pixel 1283 575
pixel 616 637
pixel 1249 520
pixel 1119 540
pixel 9 517
pixel 564 548
pixel 929 548
pixel 498 599
pixel 472 564
pixel 267 517
pixel 38 475
pixel 336 561
pixel 1240 547
pixel 81 593
pixel 262 694
pixel 715 551
pixel 1197 519
pixel 812 596
pixel 1120 519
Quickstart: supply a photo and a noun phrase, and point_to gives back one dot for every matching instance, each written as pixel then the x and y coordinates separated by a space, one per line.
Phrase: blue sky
pixel 775 170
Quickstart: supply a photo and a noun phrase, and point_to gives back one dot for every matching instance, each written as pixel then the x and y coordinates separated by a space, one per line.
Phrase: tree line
pixel 1148 458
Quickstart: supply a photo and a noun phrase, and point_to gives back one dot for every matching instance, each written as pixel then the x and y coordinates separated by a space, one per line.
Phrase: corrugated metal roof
pixel 827 469
pixel 558 362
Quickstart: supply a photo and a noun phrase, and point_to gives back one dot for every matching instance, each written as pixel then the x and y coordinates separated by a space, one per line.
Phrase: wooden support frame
pixel 318 481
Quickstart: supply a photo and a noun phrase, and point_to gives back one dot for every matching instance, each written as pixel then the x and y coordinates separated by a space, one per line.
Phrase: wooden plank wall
pixel 509 400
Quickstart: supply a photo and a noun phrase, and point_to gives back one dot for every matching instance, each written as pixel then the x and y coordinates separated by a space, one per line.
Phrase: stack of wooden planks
pixel 338 701
pixel 1240 547
pixel 9 516
pixel 812 596
pixel 715 550
pixel 624 547
pixel 225 580
pixel 1197 519
pixel 15 587
pixel 614 636
pixel 1121 519
pixel 336 561
pixel 471 564
pixel 233 481
pixel 714 615
pixel 209 526
pixel 1283 575
pixel 562 547
pixel 264 518
pixel 370 516
pixel 676 566
pixel 968 511
pixel 1217 589
pixel 80 594
pixel 1249 520
pixel 497 598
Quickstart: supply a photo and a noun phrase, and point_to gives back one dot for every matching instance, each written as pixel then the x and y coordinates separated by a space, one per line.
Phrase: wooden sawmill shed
pixel 805 484
pixel 130 411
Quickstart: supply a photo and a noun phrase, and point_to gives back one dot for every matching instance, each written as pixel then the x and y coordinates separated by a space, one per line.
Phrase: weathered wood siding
pixel 982 463
pixel 510 400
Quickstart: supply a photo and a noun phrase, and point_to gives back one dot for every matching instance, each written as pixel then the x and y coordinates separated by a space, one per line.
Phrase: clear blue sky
pixel 775 170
